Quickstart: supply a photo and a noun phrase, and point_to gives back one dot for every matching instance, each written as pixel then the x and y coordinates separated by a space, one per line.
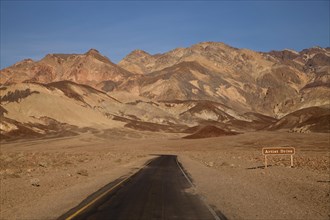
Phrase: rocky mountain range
pixel 186 90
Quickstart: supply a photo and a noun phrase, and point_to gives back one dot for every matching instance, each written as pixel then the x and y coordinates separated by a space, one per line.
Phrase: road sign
pixel 278 151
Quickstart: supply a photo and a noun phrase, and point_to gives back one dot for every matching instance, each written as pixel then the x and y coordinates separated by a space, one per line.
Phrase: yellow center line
pixel 103 194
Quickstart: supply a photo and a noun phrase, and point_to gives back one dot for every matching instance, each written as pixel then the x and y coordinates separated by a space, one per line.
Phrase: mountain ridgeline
pixel 186 90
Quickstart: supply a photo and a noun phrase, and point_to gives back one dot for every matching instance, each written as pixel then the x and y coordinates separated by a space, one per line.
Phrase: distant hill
pixel 183 90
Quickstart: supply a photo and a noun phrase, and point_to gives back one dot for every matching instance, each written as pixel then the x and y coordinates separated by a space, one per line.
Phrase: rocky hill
pixel 274 83
pixel 184 90
pixel 90 68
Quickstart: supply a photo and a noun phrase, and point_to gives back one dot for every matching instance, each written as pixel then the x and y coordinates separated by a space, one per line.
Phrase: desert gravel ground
pixel 45 178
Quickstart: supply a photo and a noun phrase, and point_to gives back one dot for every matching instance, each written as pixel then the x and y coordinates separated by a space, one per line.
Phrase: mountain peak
pixel 138 53
pixel 28 60
pixel 135 60
pixel 291 51
pixel 23 62
pixel 211 43
pixel 92 51
pixel 97 55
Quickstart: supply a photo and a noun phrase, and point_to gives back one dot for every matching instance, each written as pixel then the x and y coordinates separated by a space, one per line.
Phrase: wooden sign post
pixel 278 151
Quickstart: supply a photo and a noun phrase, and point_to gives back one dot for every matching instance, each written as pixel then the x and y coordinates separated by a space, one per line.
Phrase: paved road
pixel 158 191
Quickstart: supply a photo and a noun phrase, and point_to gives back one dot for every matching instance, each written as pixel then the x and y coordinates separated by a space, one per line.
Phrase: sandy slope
pixel 224 170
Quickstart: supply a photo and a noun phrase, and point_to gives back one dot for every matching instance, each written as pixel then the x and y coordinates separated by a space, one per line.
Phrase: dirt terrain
pixel 72 123
pixel 42 179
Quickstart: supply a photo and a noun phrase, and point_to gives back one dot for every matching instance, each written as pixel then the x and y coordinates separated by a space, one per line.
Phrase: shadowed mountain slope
pixel 312 119
pixel 209 131
pixel 183 90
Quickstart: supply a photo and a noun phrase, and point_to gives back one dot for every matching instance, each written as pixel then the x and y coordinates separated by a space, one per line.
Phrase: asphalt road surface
pixel 158 191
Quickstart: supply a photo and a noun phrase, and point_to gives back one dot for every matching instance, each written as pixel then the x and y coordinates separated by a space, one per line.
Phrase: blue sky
pixel 32 29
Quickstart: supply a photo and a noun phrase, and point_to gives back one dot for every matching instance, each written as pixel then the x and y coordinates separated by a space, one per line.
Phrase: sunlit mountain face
pixel 185 90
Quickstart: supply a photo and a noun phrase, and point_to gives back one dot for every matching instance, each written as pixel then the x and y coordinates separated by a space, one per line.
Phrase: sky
pixel 32 29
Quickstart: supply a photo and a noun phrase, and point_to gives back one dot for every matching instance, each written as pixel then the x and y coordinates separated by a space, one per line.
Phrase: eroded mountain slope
pixel 183 90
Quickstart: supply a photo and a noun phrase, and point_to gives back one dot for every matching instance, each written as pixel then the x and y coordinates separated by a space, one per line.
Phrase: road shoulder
pixel 276 193
pixel 66 190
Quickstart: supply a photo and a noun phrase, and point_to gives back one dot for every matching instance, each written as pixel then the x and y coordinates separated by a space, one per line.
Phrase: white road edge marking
pixel 216 217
